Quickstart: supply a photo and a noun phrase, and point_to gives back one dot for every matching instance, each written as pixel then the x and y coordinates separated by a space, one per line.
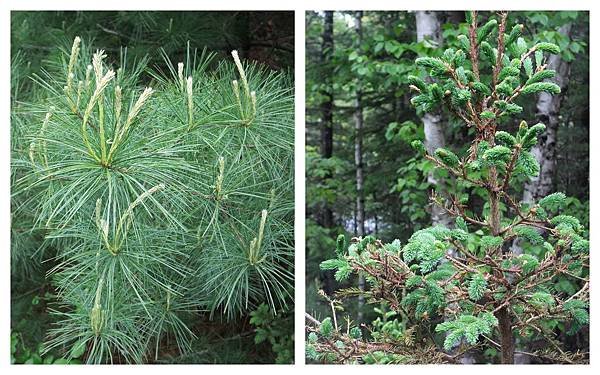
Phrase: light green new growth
pixel 247 114
pixel 148 197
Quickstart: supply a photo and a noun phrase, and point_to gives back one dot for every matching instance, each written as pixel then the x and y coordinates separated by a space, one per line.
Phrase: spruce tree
pixel 160 206
pixel 442 303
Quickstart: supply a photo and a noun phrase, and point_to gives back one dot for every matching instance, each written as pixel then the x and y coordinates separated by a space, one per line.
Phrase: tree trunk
pixel 547 112
pixel 429 28
pixel 327 106
pixel 358 162
pixel 507 340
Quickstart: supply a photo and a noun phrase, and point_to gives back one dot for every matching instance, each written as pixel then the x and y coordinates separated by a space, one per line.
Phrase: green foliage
pixel 20 353
pixel 447 157
pixel 540 76
pixel 491 242
pixel 542 300
pixel 506 139
pixel 340 265
pixel 578 311
pixel 436 66
pixel 530 138
pixel 537 87
pixel 158 202
pixel 547 47
pixel 467 326
pixel 426 248
pixel 515 33
pixel 461 224
pixel 529 263
pixel 341 245
pixel 484 31
pixel 426 300
pixel 417 82
pixel 527 165
pixel 553 202
pixel 530 234
pixel 497 155
pixel 355 333
pixel 326 328
pixel 418 145
pixel 477 287
pixel 276 330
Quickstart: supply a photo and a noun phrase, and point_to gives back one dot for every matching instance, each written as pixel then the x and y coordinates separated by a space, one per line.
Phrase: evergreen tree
pixel 439 305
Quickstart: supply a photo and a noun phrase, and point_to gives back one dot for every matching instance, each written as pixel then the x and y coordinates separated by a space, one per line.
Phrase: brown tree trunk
pixel 358 162
pixel 327 106
pixel 507 340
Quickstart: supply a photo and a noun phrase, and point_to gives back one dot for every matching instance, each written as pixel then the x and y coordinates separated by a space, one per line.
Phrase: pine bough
pixel 158 205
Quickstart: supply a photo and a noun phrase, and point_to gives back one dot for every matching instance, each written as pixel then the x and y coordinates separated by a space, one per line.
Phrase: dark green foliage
pixel 276 330
pixel 464 42
pixel 528 263
pixel 488 115
pixel 537 87
pixel 436 66
pixel 530 234
pixel 341 245
pixel 488 53
pixel 506 139
pixel 553 202
pixel 481 88
pixel 484 31
pixel 355 333
pixel 530 138
pixel 540 76
pixel 461 224
pixel 447 157
pixel 426 301
pixel 515 33
pixel 418 145
pixel 527 165
pixel 477 287
pixel 326 328
pixel 497 155
pixel 417 82
pixel 578 310
pixel 490 242
pixel 547 47
pixel 542 300
pixel 467 326
pixel 159 203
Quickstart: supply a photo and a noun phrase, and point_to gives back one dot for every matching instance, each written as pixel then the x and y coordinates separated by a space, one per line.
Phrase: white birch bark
pixel 429 28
